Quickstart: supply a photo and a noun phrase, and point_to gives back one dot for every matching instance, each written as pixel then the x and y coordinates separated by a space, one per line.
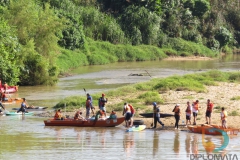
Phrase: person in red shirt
pixel 209 111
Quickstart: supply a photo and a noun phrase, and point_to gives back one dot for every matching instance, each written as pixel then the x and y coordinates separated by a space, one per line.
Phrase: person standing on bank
pixel 209 111
pixel 127 114
pixel 224 118
pixel 156 115
pixel 188 113
pixel 177 114
pixel 195 109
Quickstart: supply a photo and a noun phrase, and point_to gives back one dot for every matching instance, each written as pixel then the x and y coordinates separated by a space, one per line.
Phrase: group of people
pixel 194 109
pixel 99 115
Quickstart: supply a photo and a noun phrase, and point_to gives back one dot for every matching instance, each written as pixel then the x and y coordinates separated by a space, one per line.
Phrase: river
pixel 28 138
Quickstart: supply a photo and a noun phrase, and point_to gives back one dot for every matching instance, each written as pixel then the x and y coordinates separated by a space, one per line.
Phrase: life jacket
pixel 210 107
pixel 177 111
pixel 195 105
pixel 131 108
pixel 57 115
pixel 224 115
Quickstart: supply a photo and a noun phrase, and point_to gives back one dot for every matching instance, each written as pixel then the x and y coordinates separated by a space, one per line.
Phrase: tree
pixel 9 53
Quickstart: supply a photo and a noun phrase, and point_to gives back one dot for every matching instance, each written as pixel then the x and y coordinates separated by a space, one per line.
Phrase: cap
pixel 154 103
pixel 103 94
pixel 177 104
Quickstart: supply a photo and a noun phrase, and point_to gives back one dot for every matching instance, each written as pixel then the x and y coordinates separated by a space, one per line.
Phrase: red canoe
pixel 10 89
pixel 87 123
pixel 211 129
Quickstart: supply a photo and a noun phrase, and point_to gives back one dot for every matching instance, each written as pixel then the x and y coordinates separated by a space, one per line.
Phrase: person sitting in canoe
pixel 23 107
pixel 78 116
pixel 58 115
pixel 100 115
pixel 1 107
pixel 4 98
pixel 113 115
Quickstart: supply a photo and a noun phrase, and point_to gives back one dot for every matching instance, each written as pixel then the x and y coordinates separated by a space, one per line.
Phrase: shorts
pixel 188 117
pixel 132 115
pixel 87 111
pixel 128 116
pixel 194 114
pixel 208 114
pixel 224 122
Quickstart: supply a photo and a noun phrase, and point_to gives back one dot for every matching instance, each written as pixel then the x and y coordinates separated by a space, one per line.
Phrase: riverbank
pixel 220 95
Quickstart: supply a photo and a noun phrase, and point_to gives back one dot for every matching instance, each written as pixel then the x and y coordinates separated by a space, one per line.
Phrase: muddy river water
pixel 28 138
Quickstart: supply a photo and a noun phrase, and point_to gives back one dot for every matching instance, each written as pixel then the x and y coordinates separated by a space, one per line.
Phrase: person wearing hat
pixel 102 102
pixel 177 114
pixel 156 116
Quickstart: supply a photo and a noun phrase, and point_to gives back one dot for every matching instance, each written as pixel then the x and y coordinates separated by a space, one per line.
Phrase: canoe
pixel 211 129
pixel 33 109
pixel 136 128
pixel 150 115
pixel 10 89
pixel 12 100
pixel 16 114
pixel 87 123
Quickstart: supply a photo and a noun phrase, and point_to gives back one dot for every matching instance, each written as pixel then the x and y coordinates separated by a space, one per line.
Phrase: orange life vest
pixel 58 115
pixel 195 105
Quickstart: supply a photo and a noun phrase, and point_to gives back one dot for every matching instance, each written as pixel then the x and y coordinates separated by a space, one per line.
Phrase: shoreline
pixel 219 95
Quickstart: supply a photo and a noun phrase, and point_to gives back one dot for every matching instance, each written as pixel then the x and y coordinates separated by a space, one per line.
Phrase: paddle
pixel 148 73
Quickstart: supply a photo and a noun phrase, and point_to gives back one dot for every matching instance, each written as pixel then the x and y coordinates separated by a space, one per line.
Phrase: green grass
pixel 144 93
pixel 235 98
pixel 233 113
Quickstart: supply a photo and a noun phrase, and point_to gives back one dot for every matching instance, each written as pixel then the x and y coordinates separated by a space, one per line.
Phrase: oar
pixel 148 73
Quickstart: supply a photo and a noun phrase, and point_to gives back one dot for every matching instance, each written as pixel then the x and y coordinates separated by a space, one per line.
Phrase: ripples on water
pixel 28 138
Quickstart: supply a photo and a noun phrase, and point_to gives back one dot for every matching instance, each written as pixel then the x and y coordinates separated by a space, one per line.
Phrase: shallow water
pixel 28 138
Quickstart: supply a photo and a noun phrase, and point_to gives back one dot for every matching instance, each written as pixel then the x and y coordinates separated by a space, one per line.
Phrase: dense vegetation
pixel 142 94
pixel 39 39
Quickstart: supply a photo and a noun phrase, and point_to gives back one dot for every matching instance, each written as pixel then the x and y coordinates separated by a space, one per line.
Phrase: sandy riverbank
pixel 220 95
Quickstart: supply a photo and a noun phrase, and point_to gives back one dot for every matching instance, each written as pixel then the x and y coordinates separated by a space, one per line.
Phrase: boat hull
pixel 33 109
pixel 136 128
pixel 211 130
pixel 20 113
pixel 150 115
pixel 10 89
pixel 87 123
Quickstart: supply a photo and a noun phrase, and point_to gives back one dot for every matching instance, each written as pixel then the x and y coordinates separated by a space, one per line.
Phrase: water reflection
pixel 155 143
pixel 187 144
pixel 176 146
pixel 128 144
pixel 194 143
